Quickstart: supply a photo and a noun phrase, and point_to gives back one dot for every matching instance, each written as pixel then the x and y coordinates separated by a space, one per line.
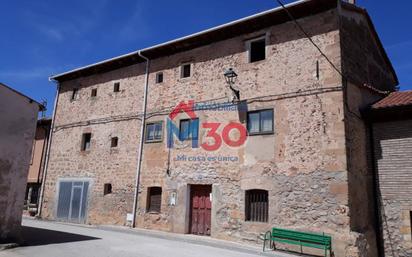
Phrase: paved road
pixel 49 239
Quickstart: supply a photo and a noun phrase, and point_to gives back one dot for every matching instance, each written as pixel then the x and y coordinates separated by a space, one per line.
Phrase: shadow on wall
pixel 38 236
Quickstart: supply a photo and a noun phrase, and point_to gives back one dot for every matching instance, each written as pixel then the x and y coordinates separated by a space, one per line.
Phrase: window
pixel 116 87
pixel 75 94
pixel 154 199
pixel 159 77
pixel 94 92
pixel 114 142
pixel 257 50
pixel 86 139
pixel 185 71
pixel 107 189
pixel 260 122
pixel 188 129
pixel 256 205
pixel 410 219
pixel 154 132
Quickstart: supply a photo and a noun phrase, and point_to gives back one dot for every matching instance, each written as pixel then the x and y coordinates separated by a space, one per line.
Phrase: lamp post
pixel 231 76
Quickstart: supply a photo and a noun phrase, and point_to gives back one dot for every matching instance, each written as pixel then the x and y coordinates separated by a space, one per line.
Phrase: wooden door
pixel 200 206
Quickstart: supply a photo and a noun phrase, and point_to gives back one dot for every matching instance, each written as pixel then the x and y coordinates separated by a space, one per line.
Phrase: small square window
pixel 94 92
pixel 86 141
pixel 257 50
pixel 114 142
pixel 116 87
pixel 107 189
pixel 154 199
pixel 185 70
pixel 188 129
pixel 159 77
pixel 154 132
pixel 75 94
pixel 260 122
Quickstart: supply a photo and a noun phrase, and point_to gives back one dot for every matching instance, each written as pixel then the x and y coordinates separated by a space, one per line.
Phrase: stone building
pixel 391 121
pixel 303 165
pixel 35 175
pixel 18 125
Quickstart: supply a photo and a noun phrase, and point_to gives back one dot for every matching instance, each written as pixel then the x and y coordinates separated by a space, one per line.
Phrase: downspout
pixel 49 141
pixel 140 154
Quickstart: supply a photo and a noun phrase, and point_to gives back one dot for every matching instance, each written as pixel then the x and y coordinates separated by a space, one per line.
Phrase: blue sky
pixel 45 37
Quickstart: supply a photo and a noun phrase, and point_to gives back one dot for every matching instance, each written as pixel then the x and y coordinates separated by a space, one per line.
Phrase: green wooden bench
pixel 307 239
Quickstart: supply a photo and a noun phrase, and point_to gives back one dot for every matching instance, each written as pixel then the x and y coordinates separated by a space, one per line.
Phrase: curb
pixel 8 246
pixel 212 242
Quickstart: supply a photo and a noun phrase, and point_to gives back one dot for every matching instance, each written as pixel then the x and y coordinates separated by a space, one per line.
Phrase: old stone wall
pixel 363 62
pixel 17 130
pixel 393 144
pixel 303 164
pixel 109 114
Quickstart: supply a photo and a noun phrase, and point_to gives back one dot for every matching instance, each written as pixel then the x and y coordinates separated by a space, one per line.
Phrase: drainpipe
pixel 49 141
pixel 140 154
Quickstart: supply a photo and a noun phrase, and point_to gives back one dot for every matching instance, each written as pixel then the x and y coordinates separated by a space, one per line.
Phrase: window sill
pixel 153 141
pixel 257 62
pixel 256 222
pixel 153 212
pixel 261 133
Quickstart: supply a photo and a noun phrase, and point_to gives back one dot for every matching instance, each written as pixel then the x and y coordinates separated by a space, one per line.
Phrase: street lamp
pixel 230 76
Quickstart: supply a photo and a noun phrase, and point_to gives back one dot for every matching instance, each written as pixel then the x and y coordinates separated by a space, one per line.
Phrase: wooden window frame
pixel 154 205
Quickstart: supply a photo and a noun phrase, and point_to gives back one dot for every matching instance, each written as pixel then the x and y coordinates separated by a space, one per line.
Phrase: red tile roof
pixel 394 99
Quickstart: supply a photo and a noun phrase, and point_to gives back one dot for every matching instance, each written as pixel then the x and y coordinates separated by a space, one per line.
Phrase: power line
pixel 309 37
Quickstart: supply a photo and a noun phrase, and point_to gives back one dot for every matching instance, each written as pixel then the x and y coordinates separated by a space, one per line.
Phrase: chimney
pixel 351 1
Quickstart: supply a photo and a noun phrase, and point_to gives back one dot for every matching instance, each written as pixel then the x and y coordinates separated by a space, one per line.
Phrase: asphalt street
pixel 50 239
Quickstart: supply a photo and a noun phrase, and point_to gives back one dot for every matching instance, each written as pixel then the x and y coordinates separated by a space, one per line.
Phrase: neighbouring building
pixel 37 162
pixel 304 164
pixel 391 124
pixel 18 125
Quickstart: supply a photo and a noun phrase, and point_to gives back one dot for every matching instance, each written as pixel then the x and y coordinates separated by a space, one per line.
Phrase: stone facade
pixel 306 164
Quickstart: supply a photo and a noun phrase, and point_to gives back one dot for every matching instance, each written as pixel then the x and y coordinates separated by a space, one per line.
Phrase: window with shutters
pixel 154 199
pixel 86 141
pixel 256 205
